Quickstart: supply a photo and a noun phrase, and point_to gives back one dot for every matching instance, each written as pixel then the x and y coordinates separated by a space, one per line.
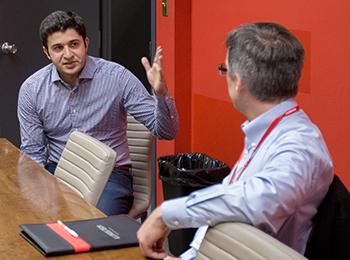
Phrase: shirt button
pixel 172 117
pixel 176 223
pixel 209 222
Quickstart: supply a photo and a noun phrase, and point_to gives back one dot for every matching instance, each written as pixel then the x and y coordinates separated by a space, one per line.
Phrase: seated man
pixel 284 170
pixel 91 95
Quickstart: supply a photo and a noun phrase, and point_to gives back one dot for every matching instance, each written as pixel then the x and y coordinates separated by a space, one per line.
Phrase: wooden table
pixel 29 194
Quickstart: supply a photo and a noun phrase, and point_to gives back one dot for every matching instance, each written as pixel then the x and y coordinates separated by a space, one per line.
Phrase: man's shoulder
pixel 105 66
pixel 39 76
pixel 299 130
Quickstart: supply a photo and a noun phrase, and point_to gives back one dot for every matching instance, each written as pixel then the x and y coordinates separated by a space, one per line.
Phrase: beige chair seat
pixel 85 166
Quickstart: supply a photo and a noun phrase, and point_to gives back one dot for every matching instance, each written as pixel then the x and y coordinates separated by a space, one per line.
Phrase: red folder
pixel 81 236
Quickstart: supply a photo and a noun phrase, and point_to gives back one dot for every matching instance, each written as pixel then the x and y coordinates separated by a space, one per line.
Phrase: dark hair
pixel 268 58
pixel 59 21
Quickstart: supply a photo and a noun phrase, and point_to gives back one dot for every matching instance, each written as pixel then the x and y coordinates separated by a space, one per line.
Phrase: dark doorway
pixel 129 33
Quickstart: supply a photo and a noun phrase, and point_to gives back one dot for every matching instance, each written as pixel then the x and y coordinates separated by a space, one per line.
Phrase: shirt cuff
pixel 190 254
pixel 166 104
pixel 174 213
pixel 165 98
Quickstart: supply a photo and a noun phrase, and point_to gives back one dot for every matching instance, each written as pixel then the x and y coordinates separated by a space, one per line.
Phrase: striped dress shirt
pixel 49 110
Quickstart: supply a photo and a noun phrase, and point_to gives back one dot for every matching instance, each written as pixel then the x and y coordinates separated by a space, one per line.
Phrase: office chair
pixel 140 142
pixel 85 166
pixel 330 235
pixel 244 242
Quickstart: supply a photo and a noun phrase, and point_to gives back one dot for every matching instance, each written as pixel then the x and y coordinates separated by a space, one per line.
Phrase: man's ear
pixel 87 42
pixel 239 85
pixel 45 50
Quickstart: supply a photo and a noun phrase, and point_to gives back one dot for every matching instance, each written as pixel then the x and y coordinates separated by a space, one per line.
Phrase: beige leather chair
pixel 85 166
pixel 140 141
pixel 244 242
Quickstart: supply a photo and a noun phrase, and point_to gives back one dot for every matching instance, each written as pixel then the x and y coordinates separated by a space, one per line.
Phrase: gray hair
pixel 268 58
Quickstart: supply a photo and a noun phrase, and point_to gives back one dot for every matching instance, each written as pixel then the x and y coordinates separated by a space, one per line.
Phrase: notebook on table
pixel 59 238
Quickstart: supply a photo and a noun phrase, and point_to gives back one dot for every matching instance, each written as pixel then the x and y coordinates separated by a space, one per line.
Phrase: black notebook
pixel 57 238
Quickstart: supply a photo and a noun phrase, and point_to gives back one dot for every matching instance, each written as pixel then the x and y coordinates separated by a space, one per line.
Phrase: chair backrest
pixel 140 141
pixel 242 241
pixel 330 235
pixel 85 166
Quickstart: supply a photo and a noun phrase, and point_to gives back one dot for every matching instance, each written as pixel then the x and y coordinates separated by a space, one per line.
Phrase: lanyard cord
pixel 274 123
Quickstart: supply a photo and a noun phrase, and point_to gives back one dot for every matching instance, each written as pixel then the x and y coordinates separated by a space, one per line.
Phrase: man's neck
pixel 255 108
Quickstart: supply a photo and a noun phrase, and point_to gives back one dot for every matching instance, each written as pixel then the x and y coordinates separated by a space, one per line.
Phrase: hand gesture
pixel 155 74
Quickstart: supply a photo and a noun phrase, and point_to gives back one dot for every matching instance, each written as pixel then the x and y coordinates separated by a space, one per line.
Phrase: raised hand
pixel 155 73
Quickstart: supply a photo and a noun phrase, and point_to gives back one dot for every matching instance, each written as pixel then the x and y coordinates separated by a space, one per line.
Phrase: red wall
pixel 200 27
pixel 174 35
pixel 322 27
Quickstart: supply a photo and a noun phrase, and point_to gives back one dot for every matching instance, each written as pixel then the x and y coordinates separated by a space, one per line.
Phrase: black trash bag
pixel 182 174
pixel 191 169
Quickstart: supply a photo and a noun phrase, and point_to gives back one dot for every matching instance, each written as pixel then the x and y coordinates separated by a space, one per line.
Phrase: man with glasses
pixel 284 170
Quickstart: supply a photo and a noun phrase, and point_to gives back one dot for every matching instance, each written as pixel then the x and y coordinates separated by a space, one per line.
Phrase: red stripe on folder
pixel 79 244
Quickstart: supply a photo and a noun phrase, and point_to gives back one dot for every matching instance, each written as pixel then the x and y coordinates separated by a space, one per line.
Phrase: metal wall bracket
pixel 165 7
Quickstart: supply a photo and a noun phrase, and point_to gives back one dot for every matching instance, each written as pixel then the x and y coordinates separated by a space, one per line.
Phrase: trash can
pixel 182 174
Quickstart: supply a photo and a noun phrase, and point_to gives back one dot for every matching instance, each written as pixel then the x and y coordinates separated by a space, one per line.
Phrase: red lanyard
pixel 267 132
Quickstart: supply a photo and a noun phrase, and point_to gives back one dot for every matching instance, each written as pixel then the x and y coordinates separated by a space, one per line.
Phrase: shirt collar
pixel 87 72
pixel 254 129
pixel 89 69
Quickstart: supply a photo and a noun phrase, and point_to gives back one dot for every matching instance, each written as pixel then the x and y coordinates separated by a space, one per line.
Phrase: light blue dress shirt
pixel 278 192
pixel 49 110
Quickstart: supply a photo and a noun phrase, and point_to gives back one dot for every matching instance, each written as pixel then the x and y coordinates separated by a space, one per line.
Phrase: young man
pixel 91 95
pixel 284 170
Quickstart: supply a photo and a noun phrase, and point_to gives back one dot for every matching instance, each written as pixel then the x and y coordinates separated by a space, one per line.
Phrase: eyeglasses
pixel 222 69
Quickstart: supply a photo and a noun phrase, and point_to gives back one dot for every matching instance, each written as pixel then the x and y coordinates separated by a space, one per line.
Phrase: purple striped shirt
pixel 49 110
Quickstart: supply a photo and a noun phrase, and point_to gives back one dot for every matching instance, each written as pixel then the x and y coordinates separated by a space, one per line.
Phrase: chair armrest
pixel 243 241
